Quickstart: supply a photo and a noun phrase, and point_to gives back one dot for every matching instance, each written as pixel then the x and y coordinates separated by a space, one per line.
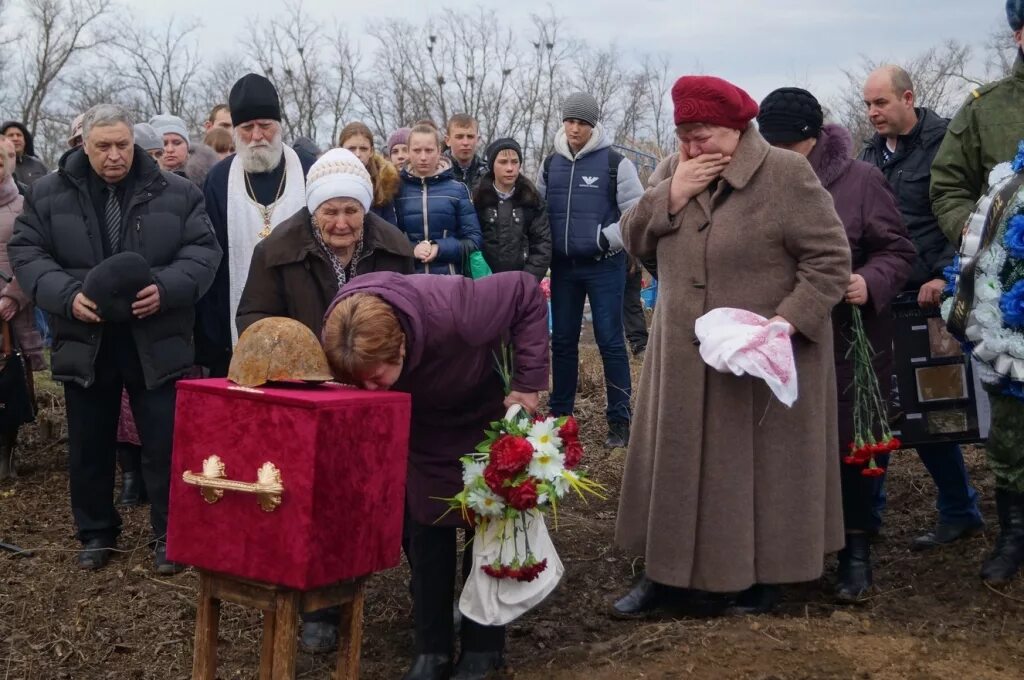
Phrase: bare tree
pixel 58 32
pixel 316 82
pixel 160 68
pixel 544 81
pixel 658 81
pixel 1000 51
pixel 216 80
pixel 394 93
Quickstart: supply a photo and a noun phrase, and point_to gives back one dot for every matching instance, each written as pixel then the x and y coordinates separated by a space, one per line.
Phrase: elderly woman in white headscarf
pixel 297 270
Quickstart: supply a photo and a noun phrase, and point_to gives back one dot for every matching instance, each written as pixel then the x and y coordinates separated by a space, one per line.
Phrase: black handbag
pixel 17 390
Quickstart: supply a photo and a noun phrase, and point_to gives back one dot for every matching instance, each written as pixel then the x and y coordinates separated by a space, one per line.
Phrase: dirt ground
pixel 930 617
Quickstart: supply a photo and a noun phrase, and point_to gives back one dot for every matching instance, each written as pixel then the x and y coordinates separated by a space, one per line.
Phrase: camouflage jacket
pixel 983 133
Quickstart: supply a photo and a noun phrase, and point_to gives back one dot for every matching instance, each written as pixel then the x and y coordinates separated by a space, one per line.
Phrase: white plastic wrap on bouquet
pixel 496 602
pixel 744 343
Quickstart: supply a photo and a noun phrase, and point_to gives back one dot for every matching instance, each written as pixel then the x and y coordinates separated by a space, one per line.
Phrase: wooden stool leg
pixel 204 660
pixel 350 635
pixel 286 627
pixel 267 650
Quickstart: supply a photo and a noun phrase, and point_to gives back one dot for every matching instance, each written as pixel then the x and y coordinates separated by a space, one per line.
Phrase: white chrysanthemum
pixel 472 471
pixel 992 261
pixel 544 437
pixel 988 316
pixel 946 308
pixel 996 339
pixel 485 502
pixel 1015 345
pixel 988 288
pixel 547 466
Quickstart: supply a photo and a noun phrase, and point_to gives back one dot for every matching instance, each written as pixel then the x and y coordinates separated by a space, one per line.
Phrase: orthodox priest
pixel 247 194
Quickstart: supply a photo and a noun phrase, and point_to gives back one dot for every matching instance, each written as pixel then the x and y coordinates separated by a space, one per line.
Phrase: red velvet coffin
pixel 341 454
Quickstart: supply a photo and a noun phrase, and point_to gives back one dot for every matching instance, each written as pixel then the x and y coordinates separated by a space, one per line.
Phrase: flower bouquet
pixel 520 472
pixel 870 414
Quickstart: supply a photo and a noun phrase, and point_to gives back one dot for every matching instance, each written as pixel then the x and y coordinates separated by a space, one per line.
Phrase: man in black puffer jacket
pixel 109 198
pixel 513 218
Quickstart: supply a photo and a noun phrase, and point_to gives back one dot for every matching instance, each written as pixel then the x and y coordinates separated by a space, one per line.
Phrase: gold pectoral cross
pixel 265 232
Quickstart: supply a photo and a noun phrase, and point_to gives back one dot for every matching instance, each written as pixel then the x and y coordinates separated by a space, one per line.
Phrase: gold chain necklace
pixel 265 210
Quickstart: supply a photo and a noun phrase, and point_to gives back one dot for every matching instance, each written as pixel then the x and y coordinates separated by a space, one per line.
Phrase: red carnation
pixel 852 460
pixel 570 430
pixel 873 471
pixel 494 572
pixel 495 480
pixel 511 455
pixel 894 444
pixel 573 454
pixel 524 496
pixel 532 571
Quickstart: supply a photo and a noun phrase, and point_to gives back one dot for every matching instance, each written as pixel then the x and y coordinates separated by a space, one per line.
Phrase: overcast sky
pixel 758 44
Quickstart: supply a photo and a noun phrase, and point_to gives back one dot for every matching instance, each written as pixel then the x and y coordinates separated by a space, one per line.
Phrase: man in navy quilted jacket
pixel 587 187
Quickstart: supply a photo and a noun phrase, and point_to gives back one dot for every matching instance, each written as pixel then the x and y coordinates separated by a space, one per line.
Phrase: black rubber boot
pixel 854 568
pixel 1006 558
pixel 133 488
pixel 429 667
pixel 477 665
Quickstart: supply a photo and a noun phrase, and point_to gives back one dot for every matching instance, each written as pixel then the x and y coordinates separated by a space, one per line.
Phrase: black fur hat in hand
pixel 114 283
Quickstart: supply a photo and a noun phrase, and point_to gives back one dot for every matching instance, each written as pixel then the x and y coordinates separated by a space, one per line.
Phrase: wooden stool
pixel 281 608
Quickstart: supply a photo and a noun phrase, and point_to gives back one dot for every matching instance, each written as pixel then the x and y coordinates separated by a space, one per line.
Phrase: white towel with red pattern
pixel 744 343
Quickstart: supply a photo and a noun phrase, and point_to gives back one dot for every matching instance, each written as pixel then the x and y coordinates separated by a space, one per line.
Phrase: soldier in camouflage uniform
pixel 981 135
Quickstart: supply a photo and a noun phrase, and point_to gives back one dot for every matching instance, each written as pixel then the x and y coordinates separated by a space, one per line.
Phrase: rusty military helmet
pixel 278 348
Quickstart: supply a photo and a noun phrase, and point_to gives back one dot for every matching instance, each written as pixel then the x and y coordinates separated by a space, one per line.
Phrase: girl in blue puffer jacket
pixel 434 210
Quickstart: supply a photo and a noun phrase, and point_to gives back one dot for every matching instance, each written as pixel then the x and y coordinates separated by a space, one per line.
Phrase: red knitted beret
pixel 713 101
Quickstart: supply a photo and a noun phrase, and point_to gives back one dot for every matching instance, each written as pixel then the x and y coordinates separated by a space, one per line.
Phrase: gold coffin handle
pixel 213 482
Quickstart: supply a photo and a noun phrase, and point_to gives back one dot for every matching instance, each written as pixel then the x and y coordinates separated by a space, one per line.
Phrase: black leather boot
pixel 96 553
pixel 760 598
pixel 646 596
pixel 133 488
pixel 854 568
pixel 477 665
pixel 1006 558
pixel 429 667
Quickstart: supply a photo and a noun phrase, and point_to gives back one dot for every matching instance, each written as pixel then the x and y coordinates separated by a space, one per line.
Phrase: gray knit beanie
pixel 581 106
pixel 148 138
pixel 165 123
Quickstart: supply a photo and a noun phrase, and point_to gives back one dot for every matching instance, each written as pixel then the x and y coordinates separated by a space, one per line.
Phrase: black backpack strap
pixel 614 159
pixel 547 169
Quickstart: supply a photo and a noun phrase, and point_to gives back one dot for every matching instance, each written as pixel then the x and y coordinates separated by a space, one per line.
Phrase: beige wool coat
pixel 724 486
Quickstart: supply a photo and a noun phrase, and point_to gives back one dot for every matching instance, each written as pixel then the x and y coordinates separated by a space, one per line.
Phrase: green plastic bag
pixel 475 266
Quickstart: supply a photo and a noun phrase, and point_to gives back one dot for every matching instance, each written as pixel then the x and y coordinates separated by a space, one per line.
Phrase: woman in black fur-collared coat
pixel 513 217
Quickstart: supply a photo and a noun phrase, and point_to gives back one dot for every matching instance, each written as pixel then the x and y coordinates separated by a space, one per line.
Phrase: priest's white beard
pixel 259 157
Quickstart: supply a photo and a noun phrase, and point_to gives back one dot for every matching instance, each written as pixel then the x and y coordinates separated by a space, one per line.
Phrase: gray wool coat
pixel 724 486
